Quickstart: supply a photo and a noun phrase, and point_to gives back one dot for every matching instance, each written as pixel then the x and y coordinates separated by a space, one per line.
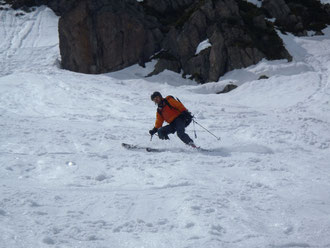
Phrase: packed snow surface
pixel 66 181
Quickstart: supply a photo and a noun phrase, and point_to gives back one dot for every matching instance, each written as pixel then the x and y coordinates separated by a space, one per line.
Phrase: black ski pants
pixel 178 126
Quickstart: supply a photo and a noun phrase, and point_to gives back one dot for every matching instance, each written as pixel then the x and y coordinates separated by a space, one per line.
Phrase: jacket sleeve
pixel 159 121
pixel 176 104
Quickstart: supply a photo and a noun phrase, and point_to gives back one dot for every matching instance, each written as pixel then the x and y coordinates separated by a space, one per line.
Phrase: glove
pixel 153 131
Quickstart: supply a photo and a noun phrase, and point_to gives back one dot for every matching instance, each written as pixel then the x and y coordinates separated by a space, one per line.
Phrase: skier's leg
pixel 163 132
pixel 180 130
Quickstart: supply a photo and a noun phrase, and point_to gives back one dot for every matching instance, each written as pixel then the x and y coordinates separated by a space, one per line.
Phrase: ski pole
pixel 195 130
pixel 218 138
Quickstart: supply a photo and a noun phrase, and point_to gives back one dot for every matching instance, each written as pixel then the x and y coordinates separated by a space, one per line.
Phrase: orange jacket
pixel 168 114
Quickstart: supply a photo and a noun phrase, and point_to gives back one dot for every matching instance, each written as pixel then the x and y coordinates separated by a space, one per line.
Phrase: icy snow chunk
pixel 190 225
pixel 92 237
pixel 311 33
pixel 255 2
pixel 70 163
pixel 100 177
pixel 273 20
pixel 32 203
pixel 203 45
pixel 48 240
pixel 217 230
pixel 162 222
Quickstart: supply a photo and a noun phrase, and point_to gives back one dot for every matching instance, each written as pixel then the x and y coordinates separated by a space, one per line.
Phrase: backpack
pixel 185 114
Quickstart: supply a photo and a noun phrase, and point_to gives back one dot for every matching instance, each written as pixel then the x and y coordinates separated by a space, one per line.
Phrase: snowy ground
pixel 67 182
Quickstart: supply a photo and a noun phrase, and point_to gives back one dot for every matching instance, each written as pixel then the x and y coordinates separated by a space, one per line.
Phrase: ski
pixel 146 148
pixel 150 149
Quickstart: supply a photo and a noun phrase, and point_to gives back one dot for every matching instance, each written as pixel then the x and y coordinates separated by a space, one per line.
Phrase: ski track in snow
pixel 67 182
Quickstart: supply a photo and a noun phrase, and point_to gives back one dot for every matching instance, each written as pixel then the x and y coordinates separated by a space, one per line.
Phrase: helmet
pixel 153 95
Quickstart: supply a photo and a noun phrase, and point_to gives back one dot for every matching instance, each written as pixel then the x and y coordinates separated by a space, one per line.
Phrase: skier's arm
pixel 159 121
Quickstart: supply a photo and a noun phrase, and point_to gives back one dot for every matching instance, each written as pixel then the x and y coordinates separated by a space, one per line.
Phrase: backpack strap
pixel 168 104
pixel 159 111
pixel 175 98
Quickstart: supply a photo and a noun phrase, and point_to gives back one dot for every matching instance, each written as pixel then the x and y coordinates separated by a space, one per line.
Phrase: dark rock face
pixel 58 6
pixel 103 36
pixel 165 61
pixel 237 31
pixel 263 77
pixel 98 36
pixel 298 16
pixel 76 40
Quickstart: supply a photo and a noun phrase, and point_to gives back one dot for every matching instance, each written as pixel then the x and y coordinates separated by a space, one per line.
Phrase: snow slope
pixel 67 182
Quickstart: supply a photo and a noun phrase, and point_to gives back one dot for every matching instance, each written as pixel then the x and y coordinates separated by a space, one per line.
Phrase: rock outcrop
pixel 103 36
pixel 238 32
pixel 98 36
pixel 298 16
pixel 228 88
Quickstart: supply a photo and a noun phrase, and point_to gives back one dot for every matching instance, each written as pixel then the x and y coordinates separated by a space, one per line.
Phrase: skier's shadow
pixel 247 148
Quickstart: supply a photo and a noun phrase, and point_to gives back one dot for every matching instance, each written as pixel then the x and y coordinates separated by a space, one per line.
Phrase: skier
pixel 173 112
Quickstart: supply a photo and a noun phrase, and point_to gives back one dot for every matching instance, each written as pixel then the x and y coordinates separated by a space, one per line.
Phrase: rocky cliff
pixel 103 36
pixel 98 36
pixel 298 16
